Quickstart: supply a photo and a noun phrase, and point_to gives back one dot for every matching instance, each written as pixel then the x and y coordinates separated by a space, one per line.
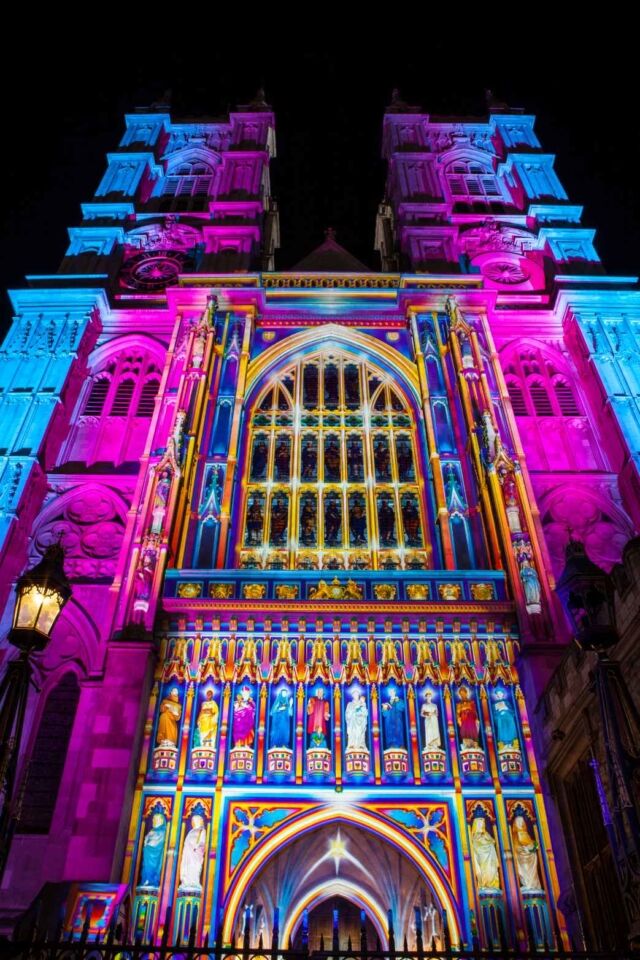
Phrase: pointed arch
pixel 333 460
pixel 348 339
pixel 361 818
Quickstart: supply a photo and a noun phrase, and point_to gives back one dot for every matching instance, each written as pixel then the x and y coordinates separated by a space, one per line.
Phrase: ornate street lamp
pixel 587 593
pixel 41 593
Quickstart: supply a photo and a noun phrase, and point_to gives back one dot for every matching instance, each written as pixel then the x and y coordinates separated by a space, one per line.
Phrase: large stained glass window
pixel 331 476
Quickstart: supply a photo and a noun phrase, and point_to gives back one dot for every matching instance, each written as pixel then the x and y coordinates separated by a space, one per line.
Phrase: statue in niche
pixel 208 721
pixel 318 715
pixel 531 584
pixel 356 718
pixel 358 521
pixel 170 713
pixel 144 579
pixel 160 498
pixel 309 460
pixel 244 717
pixel 281 713
pixel 153 851
pixel 393 719
pixel 429 714
pixel 490 438
pixel 525 854
pixel 506 727
pixel 484 854
pixel 193 850
pixel 468 721
pixel 511 502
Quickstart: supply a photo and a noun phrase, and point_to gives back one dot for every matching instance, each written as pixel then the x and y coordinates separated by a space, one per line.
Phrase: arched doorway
pixel 338 862
pixel 341 914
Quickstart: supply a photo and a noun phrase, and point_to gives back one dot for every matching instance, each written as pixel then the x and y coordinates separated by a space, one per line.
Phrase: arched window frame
pixel 138 369
pixel 292 554
pixel 27 772
pixel 530 368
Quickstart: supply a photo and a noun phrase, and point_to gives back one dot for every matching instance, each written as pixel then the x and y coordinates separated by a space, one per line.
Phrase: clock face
pixel 153 271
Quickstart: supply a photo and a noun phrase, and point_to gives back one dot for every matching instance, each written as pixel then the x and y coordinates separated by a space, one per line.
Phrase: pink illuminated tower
pixel 313 521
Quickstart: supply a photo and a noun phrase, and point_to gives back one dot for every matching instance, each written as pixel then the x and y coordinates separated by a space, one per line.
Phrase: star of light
pixel 336 851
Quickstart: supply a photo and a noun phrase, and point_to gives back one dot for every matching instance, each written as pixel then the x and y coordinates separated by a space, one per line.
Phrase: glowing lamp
pixel 587 593
pixel 41 593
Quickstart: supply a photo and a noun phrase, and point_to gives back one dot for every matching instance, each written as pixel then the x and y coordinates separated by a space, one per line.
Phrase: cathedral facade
pixel 313 522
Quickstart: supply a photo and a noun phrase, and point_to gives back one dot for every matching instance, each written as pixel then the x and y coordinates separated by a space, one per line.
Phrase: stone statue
pixel 525 854
pixel 356 718
pixel 170 713
pixel 429 713
pixel 505 721
pixel 531 584
pixel 393 713
pixel 281 713
pixel 208 721
pixel 193 854
pixel 485 856
pixel 468 721
pixel 318 714
pixel 160 499
pixel 153 852
pixel 244 717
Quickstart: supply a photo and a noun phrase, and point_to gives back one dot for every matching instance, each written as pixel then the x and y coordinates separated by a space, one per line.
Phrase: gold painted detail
pixel 336 590
pixel 418 591
pixel 221 591
pixel 287 591
pixel 449 591
pixel 254 591
pixel 385 591
pixel 190 590
pixel 482 591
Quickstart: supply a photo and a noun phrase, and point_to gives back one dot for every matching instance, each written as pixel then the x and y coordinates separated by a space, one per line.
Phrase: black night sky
pixel 63 106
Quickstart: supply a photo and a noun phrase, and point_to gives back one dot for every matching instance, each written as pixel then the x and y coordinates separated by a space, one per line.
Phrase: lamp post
pixel 41 593
pixel 587 593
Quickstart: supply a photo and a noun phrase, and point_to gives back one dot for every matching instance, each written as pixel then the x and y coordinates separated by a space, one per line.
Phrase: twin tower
pixel 313 522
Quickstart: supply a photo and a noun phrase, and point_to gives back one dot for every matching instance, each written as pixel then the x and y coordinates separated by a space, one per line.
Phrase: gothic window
pixel 126 387
pixel 120 396
pixel 540 398
pixel 516 396
pixel 147 398
pixel 96 399
pixel 565 399
pixel 46 765
pixel 536 389
pixel 332 479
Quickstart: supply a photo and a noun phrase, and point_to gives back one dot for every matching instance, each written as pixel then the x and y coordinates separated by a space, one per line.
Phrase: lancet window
pixel 332 475
pixel 537 389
